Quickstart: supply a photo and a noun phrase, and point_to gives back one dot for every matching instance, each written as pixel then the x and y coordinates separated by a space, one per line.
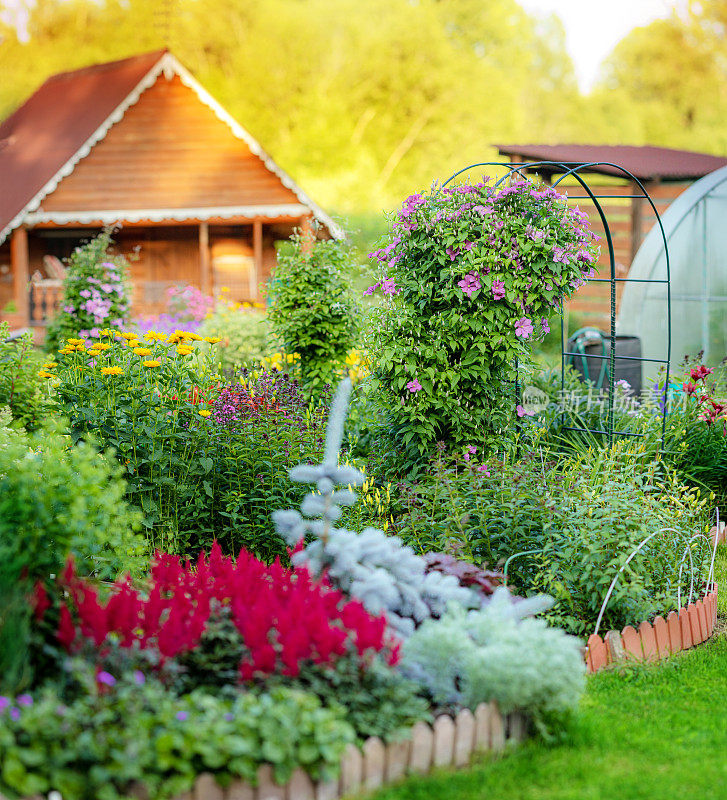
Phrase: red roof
pixel 50 128
pixel 644 162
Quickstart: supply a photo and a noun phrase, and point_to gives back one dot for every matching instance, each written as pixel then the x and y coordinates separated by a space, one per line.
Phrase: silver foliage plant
pixel 494 653
pixel 462 650
pixel 379 570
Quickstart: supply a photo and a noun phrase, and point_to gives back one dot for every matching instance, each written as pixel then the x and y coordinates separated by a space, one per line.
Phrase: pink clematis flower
pixel 523 328
pixel 498 289
pixel 470 283
pixel 414 386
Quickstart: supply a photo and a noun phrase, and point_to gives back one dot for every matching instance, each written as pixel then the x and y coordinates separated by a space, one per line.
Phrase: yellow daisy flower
pixel 142 351
pixel 112 371
pixel 152 363
pixel 128 335
pixel 106 332
pixel 43 374
pixel 212 339
pixel 195 337
pixel 204 413
pixel 75 341
pixel 184 350
pixel 81 347
pixel 50 365
pixel 155 336
pixel 66 350
pixel 101 346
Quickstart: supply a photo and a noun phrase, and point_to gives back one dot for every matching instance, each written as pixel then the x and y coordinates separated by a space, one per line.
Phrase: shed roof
pixel 644 162
pixel 44 139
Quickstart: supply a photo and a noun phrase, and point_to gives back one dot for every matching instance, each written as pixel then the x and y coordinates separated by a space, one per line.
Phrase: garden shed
pixel 139 143
pixel 665 173
pixel 694 226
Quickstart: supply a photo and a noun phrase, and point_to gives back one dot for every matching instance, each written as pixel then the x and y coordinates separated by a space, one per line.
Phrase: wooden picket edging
pixel 448 742
pixel 651 642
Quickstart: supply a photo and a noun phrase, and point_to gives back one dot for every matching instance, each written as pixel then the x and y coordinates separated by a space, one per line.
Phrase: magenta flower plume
pixel 523 328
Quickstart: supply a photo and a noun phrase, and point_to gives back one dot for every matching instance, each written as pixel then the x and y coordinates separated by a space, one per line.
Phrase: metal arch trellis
pixel 573 169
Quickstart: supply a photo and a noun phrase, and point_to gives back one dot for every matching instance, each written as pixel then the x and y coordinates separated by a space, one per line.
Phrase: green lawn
pixel 645 733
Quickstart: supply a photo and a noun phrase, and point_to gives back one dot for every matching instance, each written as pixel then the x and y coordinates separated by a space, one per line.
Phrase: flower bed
pixel 688 627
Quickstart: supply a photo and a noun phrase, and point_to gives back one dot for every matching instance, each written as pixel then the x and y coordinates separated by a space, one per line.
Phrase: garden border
pixel 689 626
pixel 447 742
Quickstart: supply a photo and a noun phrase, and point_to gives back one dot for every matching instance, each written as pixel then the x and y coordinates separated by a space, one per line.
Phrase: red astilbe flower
pixel 285 618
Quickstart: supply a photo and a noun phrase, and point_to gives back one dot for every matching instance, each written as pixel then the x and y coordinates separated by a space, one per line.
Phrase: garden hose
pixel 581 339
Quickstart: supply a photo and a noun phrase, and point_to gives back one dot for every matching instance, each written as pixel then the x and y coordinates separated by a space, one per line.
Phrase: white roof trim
pixel 169 65
pixel 161 214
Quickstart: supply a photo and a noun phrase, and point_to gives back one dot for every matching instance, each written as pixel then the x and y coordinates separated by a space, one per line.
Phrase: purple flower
pixel 15 713
pixel 373 288
pixel 452 252
pixel 521 412
pixel 498 289
pixel 523 328
pixel 468 245
pixel 4 703
pixel 560 254
pixel 469 452
pixel 24 700
pixel 85 293
pixel 108 265
pixel 106 678
pixel 414 386
pixel 229 716
pixel 69 309
pixel 139 678
pixel 182 716
pixel 482 210
pixel 389 287
pixel 470 283
pixel 107 287
pixel 483 468
pixel 544 325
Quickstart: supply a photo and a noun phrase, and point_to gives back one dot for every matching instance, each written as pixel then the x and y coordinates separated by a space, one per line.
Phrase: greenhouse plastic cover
pixel 695 227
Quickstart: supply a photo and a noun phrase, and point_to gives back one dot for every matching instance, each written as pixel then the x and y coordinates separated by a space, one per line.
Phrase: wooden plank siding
pixel 168 151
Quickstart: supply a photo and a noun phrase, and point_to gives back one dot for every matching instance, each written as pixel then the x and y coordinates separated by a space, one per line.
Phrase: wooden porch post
pixel 306 231
pixel 257 257
pixel 205 273
pixel 21 273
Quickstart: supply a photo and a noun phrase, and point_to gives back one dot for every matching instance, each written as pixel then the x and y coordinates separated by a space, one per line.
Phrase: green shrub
pixel 582 516
pixel 107 742
pixel 311 310
pixel 469 275
pixel 23 372
pixel 55 500
pixel 244 334
pixel 95 292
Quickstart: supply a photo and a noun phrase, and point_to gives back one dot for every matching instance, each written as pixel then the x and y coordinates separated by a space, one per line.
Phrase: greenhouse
pixel 694 229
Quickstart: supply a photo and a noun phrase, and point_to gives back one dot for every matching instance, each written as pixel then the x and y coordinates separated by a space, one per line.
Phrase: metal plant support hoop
pixel 573 169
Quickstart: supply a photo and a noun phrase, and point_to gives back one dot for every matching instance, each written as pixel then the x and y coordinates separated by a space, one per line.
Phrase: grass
pixel 643 733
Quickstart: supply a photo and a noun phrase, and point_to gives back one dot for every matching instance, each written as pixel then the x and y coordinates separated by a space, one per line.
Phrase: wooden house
pixel 141 144
pixel 663 172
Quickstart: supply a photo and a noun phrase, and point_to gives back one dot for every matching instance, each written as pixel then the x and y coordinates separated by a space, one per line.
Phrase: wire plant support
pixel 574 171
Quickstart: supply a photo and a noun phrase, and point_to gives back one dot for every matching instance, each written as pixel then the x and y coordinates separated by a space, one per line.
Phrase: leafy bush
pixel 571 523
pixel 491 654
pixel 470 275
pixel 54 500
pixel 95 292
pixel 121 735
pixel 262 603
pixel 202 461
pixel 23 372
pixel 311 310
pixel 244 334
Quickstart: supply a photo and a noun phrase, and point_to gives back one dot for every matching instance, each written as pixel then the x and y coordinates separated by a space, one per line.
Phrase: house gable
pixel 169 151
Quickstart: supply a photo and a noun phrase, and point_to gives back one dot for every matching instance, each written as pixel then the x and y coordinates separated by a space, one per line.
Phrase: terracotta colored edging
pixel 449 742
pixel 681 630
